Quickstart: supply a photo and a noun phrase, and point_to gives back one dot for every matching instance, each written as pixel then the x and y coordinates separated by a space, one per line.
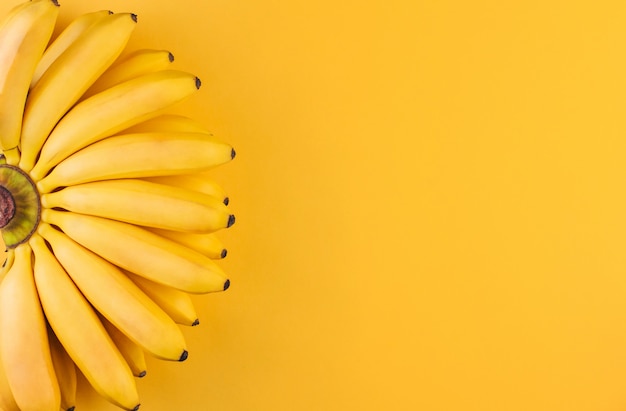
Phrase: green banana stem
pixel 20 206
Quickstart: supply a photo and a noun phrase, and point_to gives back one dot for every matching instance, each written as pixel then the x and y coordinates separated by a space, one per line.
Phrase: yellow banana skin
pixel 24 345
pixel 68 77
pixel 144 203
pixel 118 299
pixel 177 304
pixel 68 36
pixel 144 253
pixel 7 402
pixel 24 35
pixel 134 65
pixel 118 107
pixel 168 123
pixel 200 182
pixel 139 155
pixel 131 351
pixel 79 329
pixel 207 244
pixel 65 371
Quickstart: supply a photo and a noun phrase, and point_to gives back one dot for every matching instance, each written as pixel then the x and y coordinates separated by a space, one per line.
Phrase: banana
pixel 24 35
pixel 136 64
pixel 7 402
pixel 79 329
pixel 24 345
pixel 68 77
pixel 144 203
pixel 118 299
pixel 207 244
pixel 139 155
pixel 117 108
pixel 69 35
pixel 131 351
pixel 200 182
pixel 168 123
pixel 142 252
pixel 65 371
pixel 177 304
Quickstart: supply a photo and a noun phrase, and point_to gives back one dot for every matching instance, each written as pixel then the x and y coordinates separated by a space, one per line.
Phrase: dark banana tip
pixel 224 253
pixel 196 322
pixel 198 83
pixel 226 200
pixel 226 285
pixel 56 3
pixel 110 12
pixel 72 408
pixel 183 356
pixel 134 17
pixel 231 220
pixel 232 153
pixel 142 374
pixel 170 57
pixel 136 407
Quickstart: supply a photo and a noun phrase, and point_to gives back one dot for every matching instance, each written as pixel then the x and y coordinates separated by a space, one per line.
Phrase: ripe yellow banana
pixel 166 123
pixel 143 253
pixel 25 34
pixel 131 351
pixel 139 155
pixel 118 108
pixel 136 64
pixel 79 329
pixel 144 203
pixel 7 402
pixel 200 182
pixel 65 371
pixel 177 304
pixel 118 299
pixel 24 345
pixel 69 35
pixel 68 77
pixel 207 244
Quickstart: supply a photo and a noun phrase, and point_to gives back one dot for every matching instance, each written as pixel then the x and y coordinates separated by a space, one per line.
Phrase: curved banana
pixel 177 304
pixel 136 64
pixel 207 244
pixel 68 77
pixel 69 35
pixel 118 299
pixel 144 253
pixel 79 329
pixel 24 345
pixel 139 155
pixel 144 203
pixel 200 182
pixel 7 402
pixel 166 123
pixel 65 371
pixel 24 35
pixel 118 107
pixel 131 351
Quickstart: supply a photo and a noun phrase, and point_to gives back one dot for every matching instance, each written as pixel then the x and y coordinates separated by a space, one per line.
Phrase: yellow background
pixel 430 203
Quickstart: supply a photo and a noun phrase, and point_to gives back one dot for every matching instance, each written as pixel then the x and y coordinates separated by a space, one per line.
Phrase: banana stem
pixel 7 206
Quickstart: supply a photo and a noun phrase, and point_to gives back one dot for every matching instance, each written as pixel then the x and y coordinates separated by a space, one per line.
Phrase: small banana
pixel 118 108
pixel 24 35
pixel 79 329
pixel 135 64
pixel 118 299
pixel 68 77
pixel 139 155
pixel 131 351
pixel 65 371
pixel 144 203
pixel 69 35
pixel 24 345
pixel 144 253
pixel 177 304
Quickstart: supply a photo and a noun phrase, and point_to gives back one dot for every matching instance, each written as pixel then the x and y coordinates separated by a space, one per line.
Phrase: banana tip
pixel 231 220
pixel 134 17
pixel 198 83
pixel 226 200
pixel 72 408
pixel 56 3
pixel 224 253
pixel 183 356
pixel 170 57
pixel 196 322
pixel 233 153
pixel 226 285
pixel 142 374
pixel 136 407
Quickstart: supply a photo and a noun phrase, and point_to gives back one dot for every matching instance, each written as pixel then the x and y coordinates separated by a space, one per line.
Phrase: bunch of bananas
pixel 106 208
